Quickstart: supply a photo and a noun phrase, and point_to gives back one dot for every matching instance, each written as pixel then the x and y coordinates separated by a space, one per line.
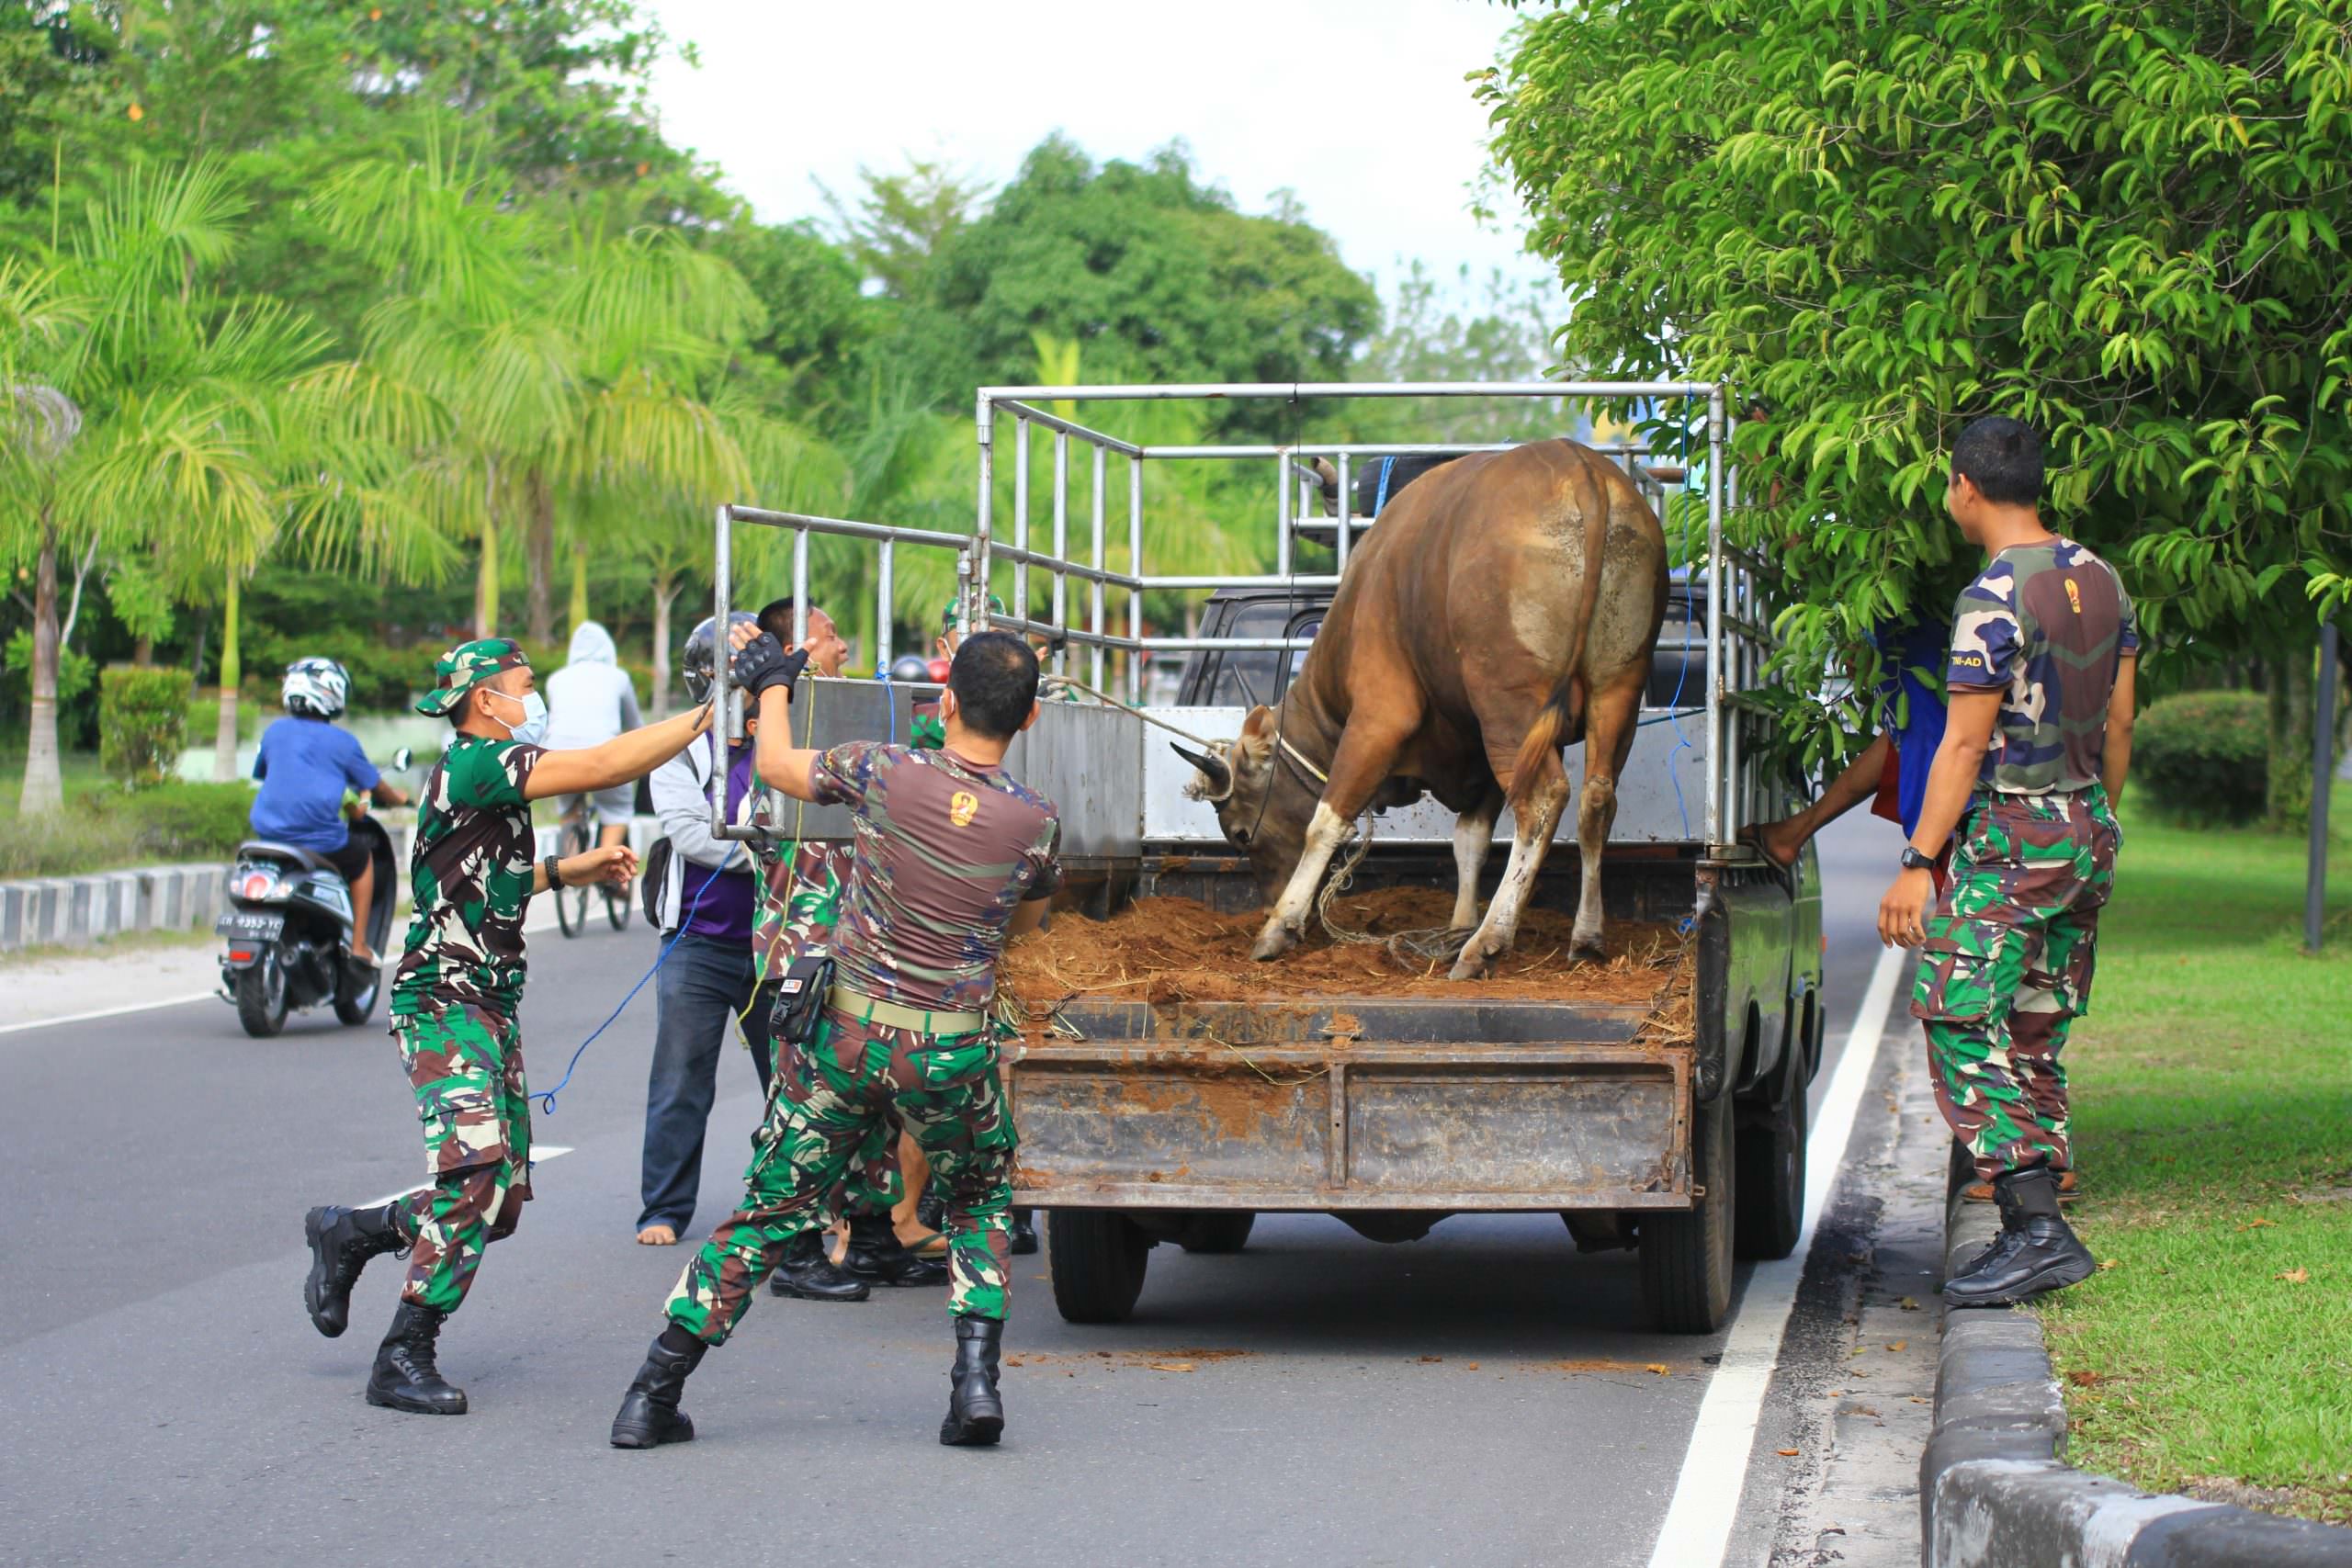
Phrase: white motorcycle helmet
pixel 318 687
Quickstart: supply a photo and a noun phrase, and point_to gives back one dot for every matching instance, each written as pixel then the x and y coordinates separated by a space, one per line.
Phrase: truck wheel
pixel 1686 1257
pixel 1098 1264
pixel 1217 1230
pixel 1771 1157
pixel 261 997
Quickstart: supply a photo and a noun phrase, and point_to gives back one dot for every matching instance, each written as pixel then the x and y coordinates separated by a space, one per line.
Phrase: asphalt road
pixel 1481 1396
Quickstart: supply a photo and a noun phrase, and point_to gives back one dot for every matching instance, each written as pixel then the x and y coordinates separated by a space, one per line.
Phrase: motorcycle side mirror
pixel 404 760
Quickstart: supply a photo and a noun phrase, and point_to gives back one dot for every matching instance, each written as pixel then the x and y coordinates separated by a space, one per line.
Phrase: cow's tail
pixel 1565 707
pixel 1547 736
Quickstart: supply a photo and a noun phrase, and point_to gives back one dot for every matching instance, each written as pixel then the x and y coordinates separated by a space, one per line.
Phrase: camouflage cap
pixel 466 666
pixel 948 616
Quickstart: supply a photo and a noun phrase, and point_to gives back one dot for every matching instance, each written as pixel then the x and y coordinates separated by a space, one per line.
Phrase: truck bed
pixel 1160 1068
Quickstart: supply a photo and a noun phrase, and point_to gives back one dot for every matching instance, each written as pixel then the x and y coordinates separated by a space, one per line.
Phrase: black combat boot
pixel 1021 1231
pixel 404 1377
pixel 341 1241
pixel 876 1253
pixel 975 1409
pixel 807 1273
pixel 2036 1250
pixel 649 1416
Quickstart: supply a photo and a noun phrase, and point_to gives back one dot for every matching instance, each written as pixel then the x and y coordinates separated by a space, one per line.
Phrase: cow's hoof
pixel 1272 943
pixel 1588 952
pixel 1471 965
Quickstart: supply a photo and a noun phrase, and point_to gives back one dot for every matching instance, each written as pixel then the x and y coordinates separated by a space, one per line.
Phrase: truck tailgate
pixel 1340 1103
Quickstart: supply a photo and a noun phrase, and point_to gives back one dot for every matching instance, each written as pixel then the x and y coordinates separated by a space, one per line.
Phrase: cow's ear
pixel 1259 725
pixel 1250 753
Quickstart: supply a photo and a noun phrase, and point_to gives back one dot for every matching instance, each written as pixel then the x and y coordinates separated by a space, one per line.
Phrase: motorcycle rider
pixel 306 764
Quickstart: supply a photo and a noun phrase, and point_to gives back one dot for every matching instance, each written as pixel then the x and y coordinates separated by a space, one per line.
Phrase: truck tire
pixel 1771 1156
pixel 1686 1257
pixel 1098 1264
pixel 261 997
pixel 1217 1230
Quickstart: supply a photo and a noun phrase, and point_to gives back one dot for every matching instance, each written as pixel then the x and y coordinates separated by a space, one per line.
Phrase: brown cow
pixel 1507 604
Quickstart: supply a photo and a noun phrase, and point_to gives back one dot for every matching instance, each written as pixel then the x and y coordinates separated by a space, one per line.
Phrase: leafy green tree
pixel 1154 274
pixel 2118 224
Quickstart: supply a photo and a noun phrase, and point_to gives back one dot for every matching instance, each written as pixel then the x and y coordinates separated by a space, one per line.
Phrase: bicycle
pixel 578 836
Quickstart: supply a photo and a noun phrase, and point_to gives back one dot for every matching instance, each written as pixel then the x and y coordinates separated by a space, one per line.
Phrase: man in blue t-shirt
pixel 306 765
pixel 1892 770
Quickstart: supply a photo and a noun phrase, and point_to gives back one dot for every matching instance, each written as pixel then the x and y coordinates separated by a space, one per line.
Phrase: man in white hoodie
pixel 591 700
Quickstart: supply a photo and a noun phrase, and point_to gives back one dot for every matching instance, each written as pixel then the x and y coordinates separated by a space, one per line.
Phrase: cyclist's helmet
pixel 318 687
pixel 698 662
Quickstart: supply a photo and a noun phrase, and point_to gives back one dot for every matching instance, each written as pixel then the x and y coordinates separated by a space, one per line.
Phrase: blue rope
pixel 1380 500
pixel 546 1097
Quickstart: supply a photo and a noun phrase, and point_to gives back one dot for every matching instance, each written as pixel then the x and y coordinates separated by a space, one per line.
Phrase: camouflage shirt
pixel 471 875
pixel 2046 625
pixel 800 896
pixel 946 849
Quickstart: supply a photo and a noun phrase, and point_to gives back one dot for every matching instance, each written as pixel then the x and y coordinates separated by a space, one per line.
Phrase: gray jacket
pixel 681 791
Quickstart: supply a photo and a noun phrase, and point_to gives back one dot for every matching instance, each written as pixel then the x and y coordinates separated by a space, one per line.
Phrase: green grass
pixel 104 829
pixel 2213 1126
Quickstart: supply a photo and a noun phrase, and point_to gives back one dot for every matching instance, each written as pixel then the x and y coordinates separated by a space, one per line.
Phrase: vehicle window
pixel 1244 677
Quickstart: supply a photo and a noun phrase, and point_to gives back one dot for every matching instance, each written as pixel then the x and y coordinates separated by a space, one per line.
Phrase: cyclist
pixel 591 700
pixel 306 765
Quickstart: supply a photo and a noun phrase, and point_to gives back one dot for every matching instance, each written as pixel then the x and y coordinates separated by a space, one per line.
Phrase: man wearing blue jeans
pixel 704 989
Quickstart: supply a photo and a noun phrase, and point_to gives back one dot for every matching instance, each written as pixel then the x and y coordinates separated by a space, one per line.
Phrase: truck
pixel 1146 1125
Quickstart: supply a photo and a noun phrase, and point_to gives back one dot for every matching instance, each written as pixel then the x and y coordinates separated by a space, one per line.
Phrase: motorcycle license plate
pixel 251 925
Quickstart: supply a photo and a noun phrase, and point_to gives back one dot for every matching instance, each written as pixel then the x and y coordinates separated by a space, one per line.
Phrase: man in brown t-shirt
pixel 952 855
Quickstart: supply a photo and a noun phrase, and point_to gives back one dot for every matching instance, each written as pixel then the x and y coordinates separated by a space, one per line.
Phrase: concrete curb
pixel 74 912
pixel 1995 1489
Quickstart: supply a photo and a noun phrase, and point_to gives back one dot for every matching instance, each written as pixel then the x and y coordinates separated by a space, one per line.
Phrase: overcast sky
pixel 1359 106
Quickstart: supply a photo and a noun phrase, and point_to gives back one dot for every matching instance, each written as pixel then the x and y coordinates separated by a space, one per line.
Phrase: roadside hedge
pixel 142 724
pixel 111 830
pixel 2204 756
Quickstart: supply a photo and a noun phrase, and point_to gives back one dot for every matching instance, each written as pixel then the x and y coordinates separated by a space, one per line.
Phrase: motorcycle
pixel 288 930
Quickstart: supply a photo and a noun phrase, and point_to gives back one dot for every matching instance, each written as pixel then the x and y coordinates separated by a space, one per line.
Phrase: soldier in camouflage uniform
pixel 2040 675
pixel 455 999
pixel 953 854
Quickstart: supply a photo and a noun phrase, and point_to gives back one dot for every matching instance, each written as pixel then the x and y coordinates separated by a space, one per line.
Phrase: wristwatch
pixel 555 878
pixel 1914 861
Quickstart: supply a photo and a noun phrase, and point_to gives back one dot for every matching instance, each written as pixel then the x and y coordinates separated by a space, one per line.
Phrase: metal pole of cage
pixel 1281 511
pixel 885 574
pixel 975 565
pixel 1717 775
pixel 1094 590
pixel 1136 659
pixel 800 588
pixel 1061 544
pixel 721 565
pixel 1346 518
pixel 1019 527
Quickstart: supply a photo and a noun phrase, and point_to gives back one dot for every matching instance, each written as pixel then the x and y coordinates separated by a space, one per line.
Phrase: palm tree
pixel 533 360
pixel 184 403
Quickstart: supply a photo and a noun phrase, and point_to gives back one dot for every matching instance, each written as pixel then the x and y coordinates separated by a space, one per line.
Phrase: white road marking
pixel 531 923
pixel 539 1156
pixel 1714 1471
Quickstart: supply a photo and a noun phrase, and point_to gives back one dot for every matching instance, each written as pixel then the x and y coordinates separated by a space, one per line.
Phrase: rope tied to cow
pixel 1418 949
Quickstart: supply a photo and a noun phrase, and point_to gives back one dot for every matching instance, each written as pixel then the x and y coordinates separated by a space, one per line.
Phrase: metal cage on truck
pixel 1152 1125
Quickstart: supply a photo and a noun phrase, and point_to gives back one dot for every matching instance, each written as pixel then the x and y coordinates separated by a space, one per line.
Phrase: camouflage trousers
pixel 829 1095
pixel 871 1183
pixel 2007 969
pixel 467 1070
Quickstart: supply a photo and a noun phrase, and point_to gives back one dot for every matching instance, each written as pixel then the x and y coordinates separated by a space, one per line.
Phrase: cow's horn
pixel 1214 769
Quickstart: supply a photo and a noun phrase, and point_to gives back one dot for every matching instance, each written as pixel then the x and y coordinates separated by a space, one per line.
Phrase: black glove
pixel 763 662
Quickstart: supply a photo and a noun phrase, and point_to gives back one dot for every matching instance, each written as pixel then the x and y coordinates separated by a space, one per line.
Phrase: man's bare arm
pixel 2117 762
pixel 624 759
pixel 780 763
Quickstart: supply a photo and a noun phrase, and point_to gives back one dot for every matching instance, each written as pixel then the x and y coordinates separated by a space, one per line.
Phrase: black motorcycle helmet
pixel 699 660
pixel 910 666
